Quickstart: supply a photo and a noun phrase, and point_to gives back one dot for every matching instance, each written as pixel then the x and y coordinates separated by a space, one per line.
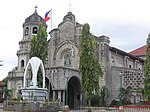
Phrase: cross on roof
pixel 36 8
pixel 0 62
pixel 69 7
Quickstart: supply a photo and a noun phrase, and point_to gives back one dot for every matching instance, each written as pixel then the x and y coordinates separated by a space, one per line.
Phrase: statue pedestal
pixel 34 94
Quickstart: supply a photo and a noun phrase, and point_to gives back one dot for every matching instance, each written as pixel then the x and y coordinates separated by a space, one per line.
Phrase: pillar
pixel 53 95
pixel 59 96
pixel 64 96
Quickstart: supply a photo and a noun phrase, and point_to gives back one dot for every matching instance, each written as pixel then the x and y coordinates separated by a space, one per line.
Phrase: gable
pixel 67 30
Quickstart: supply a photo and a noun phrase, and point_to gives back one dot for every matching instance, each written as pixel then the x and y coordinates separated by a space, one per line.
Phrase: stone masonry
pixel 63 62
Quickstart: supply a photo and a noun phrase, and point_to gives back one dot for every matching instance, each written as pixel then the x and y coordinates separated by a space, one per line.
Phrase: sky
pixel 125 22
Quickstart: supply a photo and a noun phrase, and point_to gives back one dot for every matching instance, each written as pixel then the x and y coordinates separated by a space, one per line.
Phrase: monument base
pixel 34 94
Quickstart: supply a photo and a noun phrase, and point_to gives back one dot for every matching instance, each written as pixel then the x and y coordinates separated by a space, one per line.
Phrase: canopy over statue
pixel 33 92
pixel 35 64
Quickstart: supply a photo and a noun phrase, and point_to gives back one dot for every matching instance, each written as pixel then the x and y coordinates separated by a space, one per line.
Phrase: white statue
pixel 35 64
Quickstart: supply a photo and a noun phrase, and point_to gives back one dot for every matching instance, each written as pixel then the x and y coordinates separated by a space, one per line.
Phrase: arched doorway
pixel 74 89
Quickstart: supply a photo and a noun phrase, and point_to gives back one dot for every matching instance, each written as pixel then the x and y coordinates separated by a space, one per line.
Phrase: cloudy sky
pixel 126 22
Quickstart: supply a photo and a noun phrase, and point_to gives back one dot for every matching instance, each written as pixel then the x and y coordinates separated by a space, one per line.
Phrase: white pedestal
pixel 32 94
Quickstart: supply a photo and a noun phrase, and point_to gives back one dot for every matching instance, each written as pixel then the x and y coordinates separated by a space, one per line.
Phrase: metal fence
pixel 133 108
pixel 118 109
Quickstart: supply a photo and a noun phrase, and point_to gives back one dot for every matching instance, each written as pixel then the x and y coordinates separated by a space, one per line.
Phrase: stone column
pixel 64 97
pixel 53 95
pixel 81 102
pixel 59 96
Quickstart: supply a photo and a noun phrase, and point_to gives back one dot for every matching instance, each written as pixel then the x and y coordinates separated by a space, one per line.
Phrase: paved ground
pixel 1 110
pixel 86 111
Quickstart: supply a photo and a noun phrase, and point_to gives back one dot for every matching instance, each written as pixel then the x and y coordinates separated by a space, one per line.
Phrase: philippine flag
pixel 47 16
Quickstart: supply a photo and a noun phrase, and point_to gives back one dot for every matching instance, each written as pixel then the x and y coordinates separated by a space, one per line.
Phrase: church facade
pixel 63 62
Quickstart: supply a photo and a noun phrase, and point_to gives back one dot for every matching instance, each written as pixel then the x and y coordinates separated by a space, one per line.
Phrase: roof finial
pixel 69 7
pixel 36 8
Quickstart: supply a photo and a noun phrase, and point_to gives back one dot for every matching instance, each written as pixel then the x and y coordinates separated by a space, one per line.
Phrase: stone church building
pixel 63 62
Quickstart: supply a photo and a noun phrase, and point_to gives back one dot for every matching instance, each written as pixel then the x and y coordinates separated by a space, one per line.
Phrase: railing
pixel 133 108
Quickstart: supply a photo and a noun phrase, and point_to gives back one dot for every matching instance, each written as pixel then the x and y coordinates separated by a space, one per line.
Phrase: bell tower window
pixel 26 31
pixel 22 63
pixel 34 31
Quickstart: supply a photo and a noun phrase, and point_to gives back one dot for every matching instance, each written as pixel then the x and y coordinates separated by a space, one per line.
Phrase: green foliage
pixel 95 100
pixel 126 95
pixel 5 90
pixel 104 94
pixel 140 92
pixel 115 103
pixel 39 48
pixel 147 71
pixel 89 67
pixel 16 99
pixel 15 68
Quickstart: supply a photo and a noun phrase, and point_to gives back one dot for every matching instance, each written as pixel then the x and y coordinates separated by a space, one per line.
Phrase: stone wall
pixel 130 77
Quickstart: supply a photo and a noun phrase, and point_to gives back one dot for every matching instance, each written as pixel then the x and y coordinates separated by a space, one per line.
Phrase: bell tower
pixel 30 27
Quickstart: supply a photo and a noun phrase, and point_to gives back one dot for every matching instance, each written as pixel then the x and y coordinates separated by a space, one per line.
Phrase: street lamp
pixel 49 89
pixel 120 74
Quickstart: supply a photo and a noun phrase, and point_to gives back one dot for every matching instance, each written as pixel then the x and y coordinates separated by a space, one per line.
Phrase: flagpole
pixel 51 18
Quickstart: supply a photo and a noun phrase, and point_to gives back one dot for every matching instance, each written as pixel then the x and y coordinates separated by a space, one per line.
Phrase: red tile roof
pixel 1 83
pixel 139 51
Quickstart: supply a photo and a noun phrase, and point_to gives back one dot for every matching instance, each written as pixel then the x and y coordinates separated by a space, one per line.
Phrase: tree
pixel 104 93
pixel 89 67
pixel 5 90
pixel 39 48
pixel 147 71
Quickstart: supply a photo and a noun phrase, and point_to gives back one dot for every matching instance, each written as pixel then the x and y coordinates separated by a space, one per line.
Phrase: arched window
pixel 130 66
pixel 22 63
pixel 26 31
pixel 34 31
pixel 67 59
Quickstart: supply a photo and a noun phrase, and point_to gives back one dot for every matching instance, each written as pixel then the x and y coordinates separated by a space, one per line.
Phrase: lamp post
pixel 120 74
pixel 66 106
pixel 49 89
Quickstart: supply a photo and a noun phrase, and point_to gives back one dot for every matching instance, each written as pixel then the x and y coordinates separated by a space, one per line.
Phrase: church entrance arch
pixel 74 90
